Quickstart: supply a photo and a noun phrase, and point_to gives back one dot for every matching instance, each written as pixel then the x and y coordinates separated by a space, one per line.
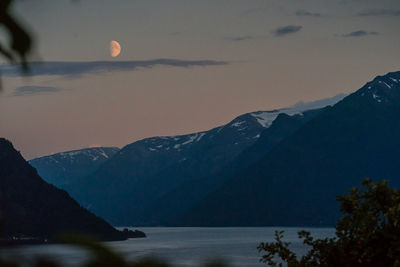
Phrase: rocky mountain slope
pixel 298 181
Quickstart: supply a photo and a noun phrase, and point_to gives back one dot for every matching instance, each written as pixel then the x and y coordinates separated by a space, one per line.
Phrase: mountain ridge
pixel 298 182
pixel 63 168
pixel 125 186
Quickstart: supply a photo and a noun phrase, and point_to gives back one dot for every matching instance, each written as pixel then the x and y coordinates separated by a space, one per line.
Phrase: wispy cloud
pixel 359 33
pixel 241 38
pixel 286 30
pixel 76 69
pixel 380 13
pixel 305 13
pixel 33 90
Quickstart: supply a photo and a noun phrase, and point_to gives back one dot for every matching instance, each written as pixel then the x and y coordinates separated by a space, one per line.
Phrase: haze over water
pixel 188 246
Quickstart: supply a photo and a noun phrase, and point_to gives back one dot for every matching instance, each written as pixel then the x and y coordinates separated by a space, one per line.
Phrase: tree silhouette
pixel 367 235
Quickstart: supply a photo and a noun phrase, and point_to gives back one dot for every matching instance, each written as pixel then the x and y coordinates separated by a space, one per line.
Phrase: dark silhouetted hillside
pixel 31 207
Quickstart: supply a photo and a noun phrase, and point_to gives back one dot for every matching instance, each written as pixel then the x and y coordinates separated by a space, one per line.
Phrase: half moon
pixel 115 48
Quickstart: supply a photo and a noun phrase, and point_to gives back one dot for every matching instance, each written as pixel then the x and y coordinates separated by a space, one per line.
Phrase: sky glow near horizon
pixel 229 58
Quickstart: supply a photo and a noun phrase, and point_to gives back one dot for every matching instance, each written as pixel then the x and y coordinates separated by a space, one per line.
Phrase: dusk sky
pixel 185 66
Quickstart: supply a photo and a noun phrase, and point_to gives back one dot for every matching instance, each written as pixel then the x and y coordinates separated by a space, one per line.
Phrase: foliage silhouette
pixel 367 235
pixel 21 40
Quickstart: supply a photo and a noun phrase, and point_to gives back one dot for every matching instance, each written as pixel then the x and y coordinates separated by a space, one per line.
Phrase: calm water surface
pixel 180 246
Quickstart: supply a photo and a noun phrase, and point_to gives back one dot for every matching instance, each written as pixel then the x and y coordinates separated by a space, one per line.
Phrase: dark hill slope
pixel 31 207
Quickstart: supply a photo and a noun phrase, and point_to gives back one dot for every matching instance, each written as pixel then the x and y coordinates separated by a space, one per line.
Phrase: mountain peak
pixel 74 163
pixel 306 170
pixel 7 151
pixel 5 144
pixel 265 118
pixel 382 89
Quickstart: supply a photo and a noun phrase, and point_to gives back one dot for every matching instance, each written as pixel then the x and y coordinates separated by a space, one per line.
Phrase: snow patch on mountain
pixel 93 154
pixel 381 88
pixel 237 124
pixel 243 129
pixel 162 143
pixel 265 118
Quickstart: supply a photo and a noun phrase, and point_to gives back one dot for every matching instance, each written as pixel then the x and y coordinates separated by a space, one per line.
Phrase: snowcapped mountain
pixel 248 127
pixel 62 168
pixel 122 188
pixel 92 154
pixel 382 89
pixel 253 161
pixel 356 138
pixel 265 118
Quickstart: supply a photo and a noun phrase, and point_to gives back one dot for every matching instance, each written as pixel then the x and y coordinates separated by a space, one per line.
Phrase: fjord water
pixel 181 246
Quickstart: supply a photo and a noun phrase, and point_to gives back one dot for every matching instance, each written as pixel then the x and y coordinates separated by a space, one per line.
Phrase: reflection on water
pixel 181 246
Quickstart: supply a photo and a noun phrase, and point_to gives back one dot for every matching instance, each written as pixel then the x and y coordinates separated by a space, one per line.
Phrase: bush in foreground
pixel 367 235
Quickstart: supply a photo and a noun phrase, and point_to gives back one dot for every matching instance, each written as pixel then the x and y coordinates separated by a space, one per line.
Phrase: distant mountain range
pixel 64 168
pixel 281 167
pixel 175 203
pixel 31 209
pixel 156 180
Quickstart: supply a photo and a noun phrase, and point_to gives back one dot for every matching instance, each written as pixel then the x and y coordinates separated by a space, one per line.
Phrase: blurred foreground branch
pixel 20 44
